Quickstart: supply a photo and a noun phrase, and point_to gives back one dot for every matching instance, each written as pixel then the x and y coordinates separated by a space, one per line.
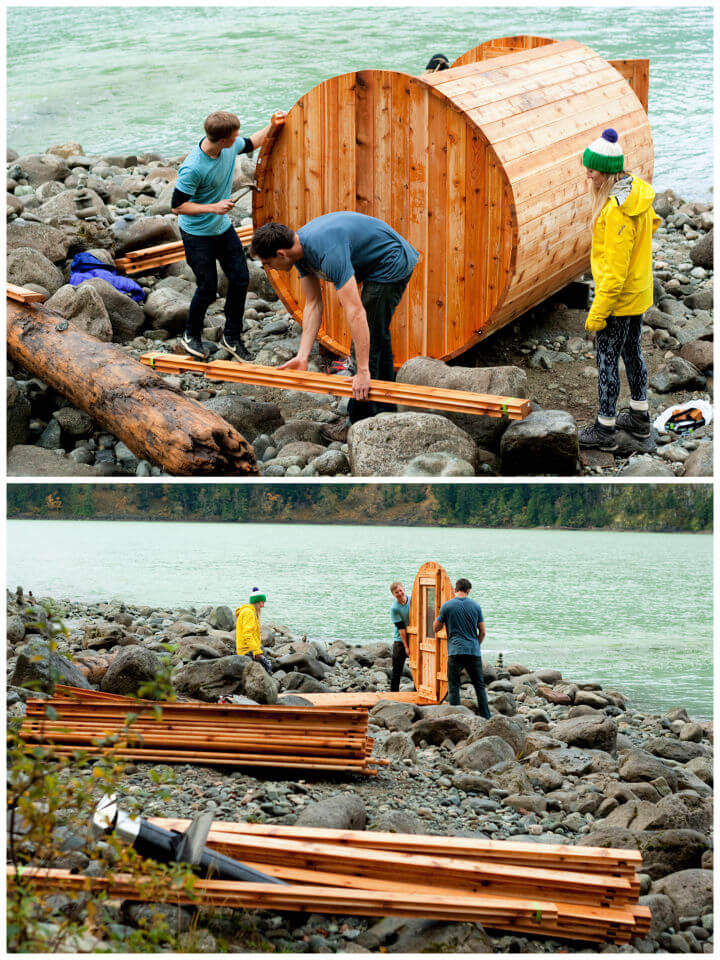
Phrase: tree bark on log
pixel 149 415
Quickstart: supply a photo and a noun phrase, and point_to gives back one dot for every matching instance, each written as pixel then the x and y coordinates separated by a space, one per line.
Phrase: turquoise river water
pixel 136 79
pixel 630 610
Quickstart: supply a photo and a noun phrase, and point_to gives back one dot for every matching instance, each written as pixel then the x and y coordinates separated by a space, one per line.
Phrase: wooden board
pixel 428 650
pixel 22 295
pixel 361 698
pixel 474 166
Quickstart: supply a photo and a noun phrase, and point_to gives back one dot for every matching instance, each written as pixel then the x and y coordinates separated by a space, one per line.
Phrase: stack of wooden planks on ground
pixel 575 893
pixel 163 254
pixel 330 738
pixel 381 391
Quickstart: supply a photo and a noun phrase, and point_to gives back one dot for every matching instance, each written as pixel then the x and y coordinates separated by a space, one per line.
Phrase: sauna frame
pixel 428 650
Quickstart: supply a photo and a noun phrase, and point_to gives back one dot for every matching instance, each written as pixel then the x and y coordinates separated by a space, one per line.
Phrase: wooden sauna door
pixel 428 650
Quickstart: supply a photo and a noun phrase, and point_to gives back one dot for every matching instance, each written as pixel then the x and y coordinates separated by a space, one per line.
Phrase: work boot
pixel 336 431
pixel 194 346
pixel 236 348
pixel 634 422
pixel 597 435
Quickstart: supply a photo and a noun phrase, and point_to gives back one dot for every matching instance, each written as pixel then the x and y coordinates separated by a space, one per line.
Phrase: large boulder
pixel 38 168
pixel 127 317
pixel 64 205
pixel 83 306
pixel 167 309
pixel 209 680
pixel 546 442
pixel 303 663
pixel 670 850
pixel 438 729
pixel 49 241
pixel 259 685
pixel 249 417
pixel 397 746
pixel 26 265
pixel 341 811
pixel 18 414
pixel 677 374
pixel 511 731
pixel 639 765
pixel 222 618
pixel 500 381
pixel 411 936
pixel 679 750
pixel 483 754
pixel 597 733
pixel 133 667
pixel 691 891
pixel 38 668
pixel 383 445
pixel 144 232
pixel 368 654
pixel 394 715
pixel 302 683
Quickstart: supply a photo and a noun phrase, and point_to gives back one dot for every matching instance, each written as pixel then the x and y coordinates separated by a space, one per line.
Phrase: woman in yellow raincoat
pixel 621 262
pixel 247 629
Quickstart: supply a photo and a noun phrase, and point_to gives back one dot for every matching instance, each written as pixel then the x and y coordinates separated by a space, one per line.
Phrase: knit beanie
pixel 257 597
pixel 605 154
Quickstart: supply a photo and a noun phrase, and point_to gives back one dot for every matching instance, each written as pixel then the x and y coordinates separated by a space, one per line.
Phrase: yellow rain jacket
pixel 247 631
pixel 621 256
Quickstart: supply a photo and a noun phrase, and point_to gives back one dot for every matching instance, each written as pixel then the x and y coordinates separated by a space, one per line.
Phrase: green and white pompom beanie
pixel 605 154
pixel 257 597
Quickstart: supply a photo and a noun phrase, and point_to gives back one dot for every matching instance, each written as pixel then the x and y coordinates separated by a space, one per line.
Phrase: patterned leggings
pixel 620 338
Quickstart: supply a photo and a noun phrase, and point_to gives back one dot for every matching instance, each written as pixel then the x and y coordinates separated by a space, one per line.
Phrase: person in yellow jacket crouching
pixel 621 262
pixel 247 629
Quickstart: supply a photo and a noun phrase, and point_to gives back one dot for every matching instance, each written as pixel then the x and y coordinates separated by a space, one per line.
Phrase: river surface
pixel 632 611
pixel 136 79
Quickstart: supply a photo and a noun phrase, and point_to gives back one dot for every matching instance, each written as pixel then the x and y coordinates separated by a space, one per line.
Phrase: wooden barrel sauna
pixel 428 650
pixel 477 166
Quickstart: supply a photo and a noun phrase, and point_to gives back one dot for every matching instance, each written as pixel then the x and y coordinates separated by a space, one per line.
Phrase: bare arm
pixel 191 209
pixel 312 317
pixel 349 297
pixel 481 631
pixel 259 138
pixel 437 624
pixel 403 636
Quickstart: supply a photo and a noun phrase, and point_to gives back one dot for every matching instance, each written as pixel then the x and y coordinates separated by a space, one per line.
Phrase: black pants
pixel 201 254
pixel 620 338
pixel 399 656
pixel 380 301
pixel 473 666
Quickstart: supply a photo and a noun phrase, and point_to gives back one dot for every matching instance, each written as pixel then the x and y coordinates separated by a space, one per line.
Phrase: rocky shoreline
pixel 62 202
pixel 560 761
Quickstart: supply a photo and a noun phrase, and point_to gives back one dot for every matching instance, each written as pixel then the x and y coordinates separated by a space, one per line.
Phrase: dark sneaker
pixel 634 422
pixel 342 368
pixel 236 348
pixel 194 347
pixel 604 438
pixel 336 431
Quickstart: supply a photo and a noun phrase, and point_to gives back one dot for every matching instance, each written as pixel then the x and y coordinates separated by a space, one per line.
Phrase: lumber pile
pixel 385 391
pixel 592 891
pixel 295 738
pixel 163 254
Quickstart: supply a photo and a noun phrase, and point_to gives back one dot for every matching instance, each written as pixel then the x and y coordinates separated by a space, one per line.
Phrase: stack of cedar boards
pixel 301 738
pixel 575 893
pixel 151 258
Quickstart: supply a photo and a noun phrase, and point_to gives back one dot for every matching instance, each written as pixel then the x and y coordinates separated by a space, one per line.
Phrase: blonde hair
pixel 221 124
pixel 395 584
pixel 599 195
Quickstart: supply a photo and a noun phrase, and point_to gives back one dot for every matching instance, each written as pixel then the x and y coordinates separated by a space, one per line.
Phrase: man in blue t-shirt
pixel 399 617
pixel 463 620
pixel 202 201
pixel 347 249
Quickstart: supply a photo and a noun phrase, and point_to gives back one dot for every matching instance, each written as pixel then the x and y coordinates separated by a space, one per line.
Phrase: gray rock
pixel 472 783
pixel 543 443
pixel 438 729
pixel 701 252
pixel 500 381
pixel 259 282
pixel 302 683
pixel 26 265
pixel 569 762
pixel 144 232
pixel 383 445
pixel 30 461
pixel 399 935
pixel 297 431
pixel 394 715
pixel 664 914
pixel 667 851
pixel 13 205
pixel 699 353
pixel 700 461
pixel 330 463
pixel 84 308
pixel 691 891
pixel 249 417
pixel 39 168
pixel 511 731
pixel 645 466
pixel 483 754
pixel 341 811
pixel 398 746
pixel 15 629
pixel 303 663
pixel 18 414
pixel 68 204
pixel 642 766
pixel 39 669
pixel 126 316
pixel 677 374
pixel 438 465
pixel 167 309
pixel 209 680
pixel 598 733
pixel 368 654
pixel 678 750
pixel 75 423
pixel 259 685
pixel 131 668
pixel 301 449
pixel 47 240
pixel 222 618
pixel 398 821
pixel 51 437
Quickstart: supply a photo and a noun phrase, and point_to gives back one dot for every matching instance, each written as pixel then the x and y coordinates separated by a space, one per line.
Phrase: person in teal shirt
pixel 202 201
pixel 465 625
pixel 399 616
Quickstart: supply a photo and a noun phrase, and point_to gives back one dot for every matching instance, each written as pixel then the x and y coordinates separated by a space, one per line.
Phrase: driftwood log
pixel 149 415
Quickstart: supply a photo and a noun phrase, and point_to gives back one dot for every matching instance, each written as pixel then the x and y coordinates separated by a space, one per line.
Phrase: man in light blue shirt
pixel 399 617
pixel 346 249
pixel 202 201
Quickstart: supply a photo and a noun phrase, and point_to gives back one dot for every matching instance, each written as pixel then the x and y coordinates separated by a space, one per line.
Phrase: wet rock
pixel 83 306
pixel 543 443
pixel 341 811
pixel 383 445
pixel 50 242
pixel 39 668
pixel 131 668
pixel 26 265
